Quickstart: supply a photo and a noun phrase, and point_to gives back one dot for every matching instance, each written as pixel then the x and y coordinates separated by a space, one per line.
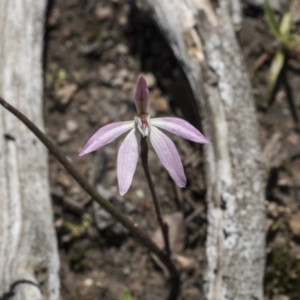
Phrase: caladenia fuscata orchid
pixel 141 127
pixel 136 141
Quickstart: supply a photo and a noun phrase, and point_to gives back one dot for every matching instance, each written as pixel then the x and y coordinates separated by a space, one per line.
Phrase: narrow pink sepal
pixel 141 95
pixel 127 160
pixel 168 155
pixel 106 135
pixel 181 128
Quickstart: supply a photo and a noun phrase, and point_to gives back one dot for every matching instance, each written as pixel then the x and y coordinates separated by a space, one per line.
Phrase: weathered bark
pixel 203 40
pixel 28 251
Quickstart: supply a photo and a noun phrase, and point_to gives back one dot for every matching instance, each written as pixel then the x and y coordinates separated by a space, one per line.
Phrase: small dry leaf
pixel 185 263
pixel 177 233
pixel 65 93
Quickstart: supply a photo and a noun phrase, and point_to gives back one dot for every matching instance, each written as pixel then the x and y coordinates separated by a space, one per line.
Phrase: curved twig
pixel 133 227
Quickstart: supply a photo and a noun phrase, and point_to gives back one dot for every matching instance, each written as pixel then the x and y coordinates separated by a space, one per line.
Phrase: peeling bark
pixel 29 259
pixel 203 40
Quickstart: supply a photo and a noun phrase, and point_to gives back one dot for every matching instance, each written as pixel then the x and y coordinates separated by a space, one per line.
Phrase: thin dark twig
pixel 162 224
pixel 133 227
pixel 11 293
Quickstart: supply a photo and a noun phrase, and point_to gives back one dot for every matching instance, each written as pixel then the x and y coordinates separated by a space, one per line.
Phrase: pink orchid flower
pixel 144 126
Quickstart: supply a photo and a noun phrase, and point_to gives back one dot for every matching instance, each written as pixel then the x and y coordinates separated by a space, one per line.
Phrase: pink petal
pixel 141 95
pixel 106 135
pixel 168 155
pixel 181 128
pixel 127 160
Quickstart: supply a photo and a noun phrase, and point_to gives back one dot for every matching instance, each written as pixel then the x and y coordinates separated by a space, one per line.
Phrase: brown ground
pixel 95 52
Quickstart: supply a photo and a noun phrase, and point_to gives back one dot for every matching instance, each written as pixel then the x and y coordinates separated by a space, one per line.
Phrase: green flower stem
pixel 133 227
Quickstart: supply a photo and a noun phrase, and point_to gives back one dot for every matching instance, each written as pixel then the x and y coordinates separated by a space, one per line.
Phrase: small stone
pixel 122 49
pixel 72 126
pixel 75 190
pixel 105 74
pixel 294 223
pixel 123 21
pixel 160 104
pixel 123 73
pixel 66 238
pixel 151 80
pixel 285 182
pixel 140 194
pixel 104 120
pixel 63 137
pixel 103 13
pixel 272 209
pixel 126 271
pixel 117 82
pixel 127 86
pixel 88 282
pixel 59 223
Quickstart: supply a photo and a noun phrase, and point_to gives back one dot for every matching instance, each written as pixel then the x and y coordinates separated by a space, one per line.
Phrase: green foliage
pixel 286 40
pixel 78 229
pixel 126 295
pixel 61 74
pixel 275 69
pixel 282 273
pixel 270 16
